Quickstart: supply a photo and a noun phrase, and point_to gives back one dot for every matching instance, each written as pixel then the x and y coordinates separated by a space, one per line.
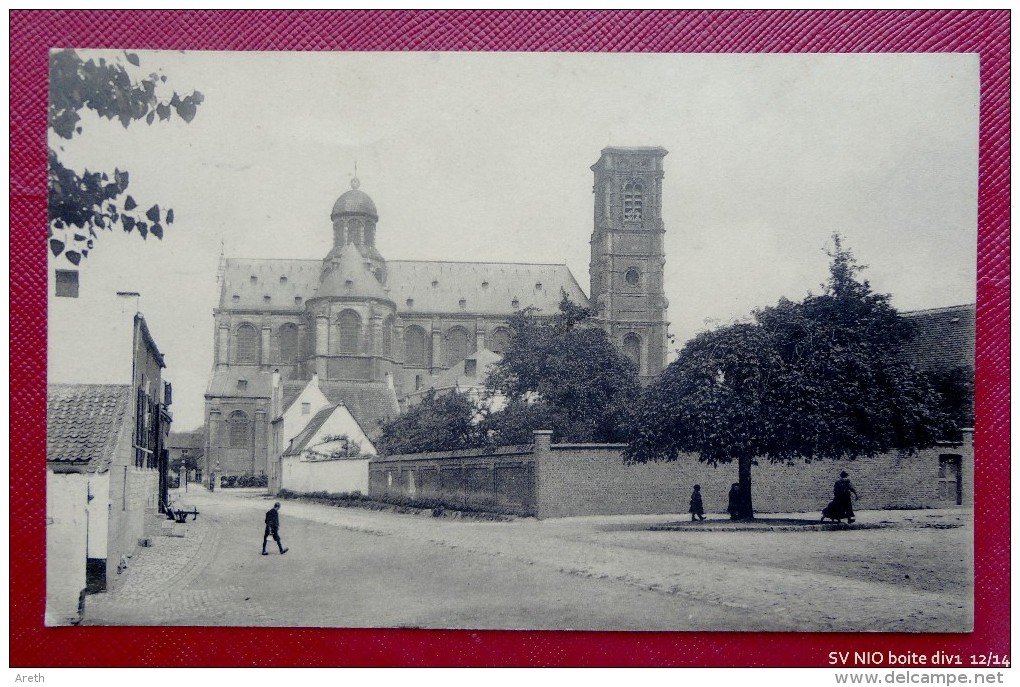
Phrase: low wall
pixel 335 476
pixel 594 480
pixel 560 480
pixel 500 479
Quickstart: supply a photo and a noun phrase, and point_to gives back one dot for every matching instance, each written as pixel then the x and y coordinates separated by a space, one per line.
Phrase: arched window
pixel 499 340
pixel 239 429
pixel 633 200
pixel 632 349
pixel 458 345
pixel 248 345
pixel 387 337
pixel 414 347
pixel 350 331
pixel 289 343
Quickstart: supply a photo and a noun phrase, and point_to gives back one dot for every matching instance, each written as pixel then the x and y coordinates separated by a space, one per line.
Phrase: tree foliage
pixel 823 378
pixel 81 204
pixel 562 373
pixel 438 423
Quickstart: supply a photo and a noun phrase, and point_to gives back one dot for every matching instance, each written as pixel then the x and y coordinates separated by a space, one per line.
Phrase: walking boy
pixel 273 528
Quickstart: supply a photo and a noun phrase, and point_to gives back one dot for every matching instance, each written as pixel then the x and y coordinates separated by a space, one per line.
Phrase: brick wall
pixel 592 479
pixel 499 479
pixel 66 523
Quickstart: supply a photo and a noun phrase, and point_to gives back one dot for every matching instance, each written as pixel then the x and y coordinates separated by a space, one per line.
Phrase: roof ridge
pixel 483 262
pixel 944 308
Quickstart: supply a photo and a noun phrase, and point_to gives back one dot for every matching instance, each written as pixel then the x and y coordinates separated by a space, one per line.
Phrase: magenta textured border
pixel 33 33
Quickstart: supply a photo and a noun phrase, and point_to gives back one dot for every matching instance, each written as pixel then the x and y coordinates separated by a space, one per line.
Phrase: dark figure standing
pixel 733 508
pixel 697 510
pixel 273 529
pixel 841 506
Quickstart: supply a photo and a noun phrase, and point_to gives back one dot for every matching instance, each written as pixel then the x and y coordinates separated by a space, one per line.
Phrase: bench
pixel 179 514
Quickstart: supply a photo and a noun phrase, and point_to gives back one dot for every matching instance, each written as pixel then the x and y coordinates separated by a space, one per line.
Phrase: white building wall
pixel 333 476
pixel 66 526
pixel 98 514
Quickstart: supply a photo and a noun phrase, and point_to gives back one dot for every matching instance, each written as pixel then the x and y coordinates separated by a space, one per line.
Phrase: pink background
pixel 33 33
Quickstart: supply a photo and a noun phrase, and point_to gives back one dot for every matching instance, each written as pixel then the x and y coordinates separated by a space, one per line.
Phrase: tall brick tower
pixel 627 255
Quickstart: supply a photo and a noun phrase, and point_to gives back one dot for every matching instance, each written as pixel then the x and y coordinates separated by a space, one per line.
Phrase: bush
pixel 401 504
pixel 243 481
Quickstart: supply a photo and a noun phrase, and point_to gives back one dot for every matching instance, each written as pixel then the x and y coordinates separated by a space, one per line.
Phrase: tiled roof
pixel 298 443
pixel 228 383
pixel 193 439
pixel 350 276
pixel 83 422
pixel 291 390
pixel 944 338
pixel 457 376
pixel 487 288
pixel 370 403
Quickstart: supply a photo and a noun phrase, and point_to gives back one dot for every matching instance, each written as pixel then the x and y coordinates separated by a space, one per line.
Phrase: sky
pixel 486 157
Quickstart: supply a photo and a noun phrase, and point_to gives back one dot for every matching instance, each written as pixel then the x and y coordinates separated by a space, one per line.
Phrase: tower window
pixel 349 284
pixel 633 201
pixel 239 430
pixel 387 337
pixel 632 349
pixel 248 349
pixel 633 276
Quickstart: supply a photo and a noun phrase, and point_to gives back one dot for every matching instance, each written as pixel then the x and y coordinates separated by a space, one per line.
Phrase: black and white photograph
pixel 512 341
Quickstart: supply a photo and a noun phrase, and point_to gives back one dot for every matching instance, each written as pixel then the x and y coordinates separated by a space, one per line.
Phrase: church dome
pixel 354 201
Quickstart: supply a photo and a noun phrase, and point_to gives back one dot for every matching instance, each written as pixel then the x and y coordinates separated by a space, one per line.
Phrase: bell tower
pixel 627 255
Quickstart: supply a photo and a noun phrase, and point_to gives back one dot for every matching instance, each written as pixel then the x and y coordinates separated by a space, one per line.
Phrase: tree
pixel 80 205
pixel 438 423
pixel 564 374
pixel 823 378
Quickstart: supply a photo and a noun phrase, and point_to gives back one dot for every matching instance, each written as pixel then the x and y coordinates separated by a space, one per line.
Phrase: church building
pixel 373 332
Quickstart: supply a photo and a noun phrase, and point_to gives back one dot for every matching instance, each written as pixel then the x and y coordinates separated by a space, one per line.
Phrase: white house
pixel 330 454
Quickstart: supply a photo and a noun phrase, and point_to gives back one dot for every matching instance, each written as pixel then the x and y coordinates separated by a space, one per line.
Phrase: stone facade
pixel 376 331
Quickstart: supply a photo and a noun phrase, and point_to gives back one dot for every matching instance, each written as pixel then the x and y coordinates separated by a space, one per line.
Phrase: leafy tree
pixel 438 423
pixel 821 378
pixel 564 374
pixel 82 204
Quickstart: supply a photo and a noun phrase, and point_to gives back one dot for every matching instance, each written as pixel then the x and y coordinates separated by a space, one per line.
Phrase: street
pixel 901 571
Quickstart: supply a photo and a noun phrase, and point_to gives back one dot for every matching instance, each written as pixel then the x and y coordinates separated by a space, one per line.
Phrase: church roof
pixel 458 377
pixel 354 201
pixel 370 403
pixel 349 276
pixel 240 381
pixel 944 338
pixel 488 288
pixel 83 423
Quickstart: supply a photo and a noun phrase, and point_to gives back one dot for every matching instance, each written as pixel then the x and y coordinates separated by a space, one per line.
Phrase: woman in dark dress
pixel 733 508
pixel 841 506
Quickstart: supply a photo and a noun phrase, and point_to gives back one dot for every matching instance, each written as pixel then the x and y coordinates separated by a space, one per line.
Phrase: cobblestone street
pixel 896 571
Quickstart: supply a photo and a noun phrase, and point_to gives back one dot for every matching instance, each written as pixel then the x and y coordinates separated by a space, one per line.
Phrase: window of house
pixel 470 366
pixel 633 201
pixel 67 283
pixel 350 331
pixel 239 430
pixel 414 347
pixel 306 408
pixel 417 382
pixel 289 343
